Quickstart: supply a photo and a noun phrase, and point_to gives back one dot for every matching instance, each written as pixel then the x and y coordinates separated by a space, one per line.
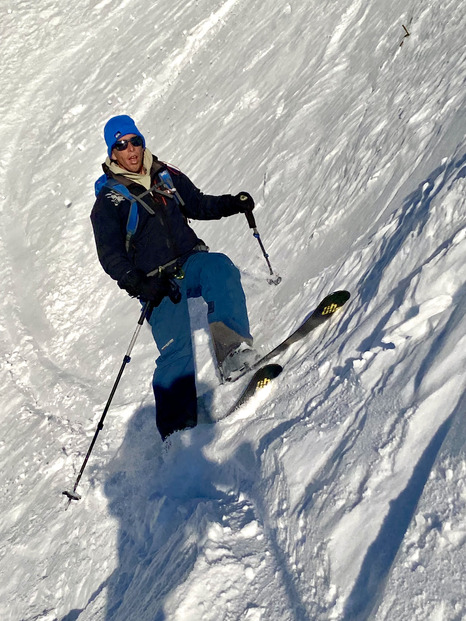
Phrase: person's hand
pixel 244 201
pixel 131 281
pixel 149 288
pixel 153 289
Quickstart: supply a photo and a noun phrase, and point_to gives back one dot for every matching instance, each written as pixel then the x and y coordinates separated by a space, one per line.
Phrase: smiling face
pixel 131 158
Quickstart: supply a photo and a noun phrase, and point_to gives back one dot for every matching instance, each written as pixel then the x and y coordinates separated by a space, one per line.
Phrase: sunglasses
pixel 122 145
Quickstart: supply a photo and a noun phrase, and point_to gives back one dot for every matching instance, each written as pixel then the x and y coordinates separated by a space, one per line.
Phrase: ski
pixel 261 378
pixel 323 311
pixel 269 371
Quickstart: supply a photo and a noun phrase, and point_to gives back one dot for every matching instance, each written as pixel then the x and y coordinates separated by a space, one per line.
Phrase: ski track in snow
pixel 339 494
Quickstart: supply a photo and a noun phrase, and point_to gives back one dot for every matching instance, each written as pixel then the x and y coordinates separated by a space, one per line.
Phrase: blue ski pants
pixel 215 278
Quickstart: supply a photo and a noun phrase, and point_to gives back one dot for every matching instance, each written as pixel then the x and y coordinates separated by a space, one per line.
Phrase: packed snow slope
pixel 340 494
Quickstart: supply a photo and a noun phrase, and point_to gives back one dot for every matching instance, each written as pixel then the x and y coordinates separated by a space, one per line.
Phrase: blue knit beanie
pixel 117 127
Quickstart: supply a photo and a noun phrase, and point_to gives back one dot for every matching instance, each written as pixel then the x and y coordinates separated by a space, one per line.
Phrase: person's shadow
pixel 155 499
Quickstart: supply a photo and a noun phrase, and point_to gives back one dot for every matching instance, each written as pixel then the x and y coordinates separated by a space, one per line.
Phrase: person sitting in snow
pixel 164 262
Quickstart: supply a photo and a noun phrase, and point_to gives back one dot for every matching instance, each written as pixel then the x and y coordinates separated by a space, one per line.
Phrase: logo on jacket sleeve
pixel 115 197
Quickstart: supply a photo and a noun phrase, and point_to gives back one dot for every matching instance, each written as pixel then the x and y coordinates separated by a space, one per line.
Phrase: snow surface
pixel 341 494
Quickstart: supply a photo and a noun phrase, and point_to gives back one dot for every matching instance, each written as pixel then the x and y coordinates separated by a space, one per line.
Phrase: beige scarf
pixel 141 178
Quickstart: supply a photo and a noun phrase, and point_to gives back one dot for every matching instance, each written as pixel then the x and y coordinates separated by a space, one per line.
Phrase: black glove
pixel 151 288
pixel 244 202
pixel 131 281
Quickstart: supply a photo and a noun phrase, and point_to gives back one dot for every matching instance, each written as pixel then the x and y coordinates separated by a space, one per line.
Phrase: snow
pixel 340 492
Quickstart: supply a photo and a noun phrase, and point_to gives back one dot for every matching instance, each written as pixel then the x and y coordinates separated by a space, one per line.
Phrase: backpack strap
pixel 167 182
pixel 168 191
pixel 133 216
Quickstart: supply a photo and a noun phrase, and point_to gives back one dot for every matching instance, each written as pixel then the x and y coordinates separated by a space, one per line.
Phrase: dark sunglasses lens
pixel 122 145
pixel 136 141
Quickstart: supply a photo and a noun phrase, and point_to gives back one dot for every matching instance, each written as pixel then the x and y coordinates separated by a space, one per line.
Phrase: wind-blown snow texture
pixel 342 494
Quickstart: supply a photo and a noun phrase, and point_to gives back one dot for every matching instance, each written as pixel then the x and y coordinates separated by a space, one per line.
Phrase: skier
pixel 163 261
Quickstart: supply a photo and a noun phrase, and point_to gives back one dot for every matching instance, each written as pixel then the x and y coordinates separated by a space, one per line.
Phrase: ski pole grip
pixel 250 218
pixel 146 311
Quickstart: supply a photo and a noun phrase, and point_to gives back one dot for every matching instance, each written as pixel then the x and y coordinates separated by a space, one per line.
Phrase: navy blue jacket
pixel 159 238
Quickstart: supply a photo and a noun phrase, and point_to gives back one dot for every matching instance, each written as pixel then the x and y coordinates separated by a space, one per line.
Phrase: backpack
pixel 133 217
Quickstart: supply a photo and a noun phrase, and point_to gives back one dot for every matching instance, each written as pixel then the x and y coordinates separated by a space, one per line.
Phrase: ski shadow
pixel 369 587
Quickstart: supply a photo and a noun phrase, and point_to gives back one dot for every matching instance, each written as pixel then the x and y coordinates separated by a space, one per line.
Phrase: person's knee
pixel 224 269
pixel 223 261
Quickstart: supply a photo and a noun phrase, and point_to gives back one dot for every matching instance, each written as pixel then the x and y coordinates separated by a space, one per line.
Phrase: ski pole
pixel 252 225
pixel 144 313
